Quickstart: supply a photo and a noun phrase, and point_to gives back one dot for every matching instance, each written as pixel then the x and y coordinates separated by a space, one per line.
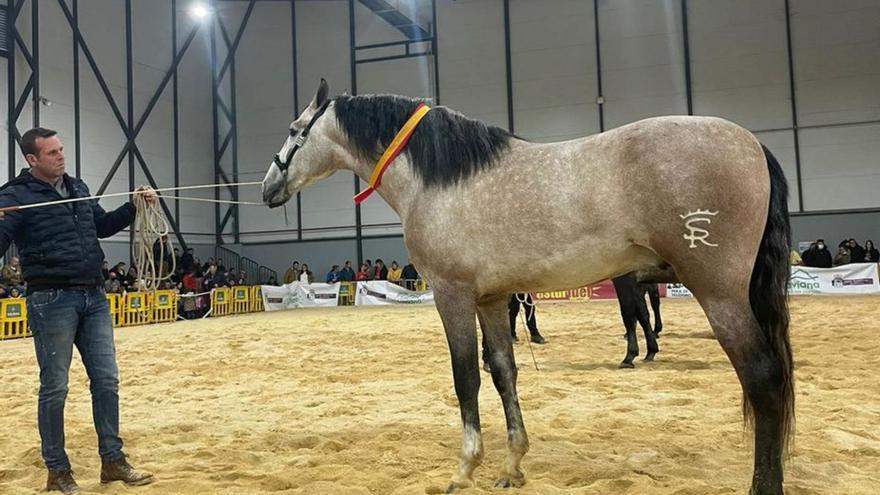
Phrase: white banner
pixel 299 295
pixel 855 278
pixel 677 290
pixel 381 292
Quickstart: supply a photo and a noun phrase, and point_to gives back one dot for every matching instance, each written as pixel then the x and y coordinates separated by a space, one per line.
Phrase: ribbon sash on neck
pixel 394 149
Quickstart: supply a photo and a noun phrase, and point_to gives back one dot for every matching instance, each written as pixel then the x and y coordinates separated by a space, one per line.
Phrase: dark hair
pixel 445 148
pixel 29 139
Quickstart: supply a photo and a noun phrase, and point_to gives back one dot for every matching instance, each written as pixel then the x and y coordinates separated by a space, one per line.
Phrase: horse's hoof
pixel 510 482
pixel 626 365
pixel 650 356
pixel 455 486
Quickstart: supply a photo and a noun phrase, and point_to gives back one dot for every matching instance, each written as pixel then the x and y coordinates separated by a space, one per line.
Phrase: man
pixel 11 273
pixel 347 273
pixel 187 261
pixel 61 264
pixel 292 273
pixel 818 255
pixel 856 252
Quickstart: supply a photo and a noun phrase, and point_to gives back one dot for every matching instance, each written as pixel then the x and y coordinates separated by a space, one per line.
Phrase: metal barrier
pixel 137 309
pixel 347 293
pixel 221 304
pixel 14 313
pixel 116 314
pixel 164 306
pixel 256 298
pixel 241 297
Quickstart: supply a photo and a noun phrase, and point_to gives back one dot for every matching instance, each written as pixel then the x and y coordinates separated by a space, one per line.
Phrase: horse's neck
pixel 399 186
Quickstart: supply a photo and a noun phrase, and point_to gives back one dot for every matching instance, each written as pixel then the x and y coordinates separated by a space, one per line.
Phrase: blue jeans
pixel 60 319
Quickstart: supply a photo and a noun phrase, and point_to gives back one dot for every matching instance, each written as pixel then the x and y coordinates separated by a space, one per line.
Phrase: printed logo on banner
pixel 677 290
pixel 838 281
pixel 803 282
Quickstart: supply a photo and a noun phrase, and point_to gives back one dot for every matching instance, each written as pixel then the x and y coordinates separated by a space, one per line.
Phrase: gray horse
pixel 694 199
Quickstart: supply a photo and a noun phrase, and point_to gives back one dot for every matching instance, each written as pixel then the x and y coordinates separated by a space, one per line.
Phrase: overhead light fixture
pixel 199 11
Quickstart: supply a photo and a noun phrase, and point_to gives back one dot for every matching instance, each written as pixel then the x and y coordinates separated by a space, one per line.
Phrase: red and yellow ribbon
pixel 394 149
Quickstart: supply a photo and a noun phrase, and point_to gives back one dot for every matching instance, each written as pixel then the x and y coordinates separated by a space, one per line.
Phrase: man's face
pixel 48 162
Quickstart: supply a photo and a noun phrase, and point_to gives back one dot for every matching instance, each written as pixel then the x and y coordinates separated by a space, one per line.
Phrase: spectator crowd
pixel 848 251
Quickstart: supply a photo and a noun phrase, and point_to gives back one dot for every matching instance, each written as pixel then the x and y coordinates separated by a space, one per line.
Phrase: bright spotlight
pixel 199 11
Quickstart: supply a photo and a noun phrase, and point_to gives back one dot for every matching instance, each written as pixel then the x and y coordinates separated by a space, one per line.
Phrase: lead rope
pixel 522 316
pixel 149 226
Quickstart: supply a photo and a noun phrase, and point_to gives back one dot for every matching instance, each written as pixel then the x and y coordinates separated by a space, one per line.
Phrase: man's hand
pixel 147 193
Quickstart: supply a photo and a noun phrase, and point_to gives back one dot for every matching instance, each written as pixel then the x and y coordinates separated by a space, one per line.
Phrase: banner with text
pixel 855 278
pixel 299 295
pixel 381 292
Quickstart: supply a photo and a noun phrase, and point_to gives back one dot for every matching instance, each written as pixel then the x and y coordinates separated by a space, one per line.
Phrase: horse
pixel 694 199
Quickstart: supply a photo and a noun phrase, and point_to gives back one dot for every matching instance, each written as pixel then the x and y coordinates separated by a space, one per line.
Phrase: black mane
pixel 445 148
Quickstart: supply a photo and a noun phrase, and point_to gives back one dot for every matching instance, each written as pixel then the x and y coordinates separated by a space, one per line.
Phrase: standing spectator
pixel 410 276
pixel 305 275
pixel 130 284
pixel 112 285
pixel 856 252
pixel 119 268
pixel 333 275
pixel 11 273
pixel 818 255
pixel 363 274
pixel 395 273
pixel 871 253
pixel 842 256
pixel 347 273
pixel 292 273
pixel 162 255
pixel 187 261
pixel 380 271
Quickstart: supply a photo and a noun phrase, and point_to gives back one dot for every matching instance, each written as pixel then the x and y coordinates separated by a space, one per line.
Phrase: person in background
pixel 871 253
pixel 410 275
pixel 795 258
pixel 305 275
pixel 333 275
pixel 395 273
pixel 112 285
pixel 105 269
pixel 347 273
pixel 818 255
pixel 363 274
pixel 272 281
pixel 292 273
pixel 856 252
pixel 14 293
pixel 842 256
pixel 380 271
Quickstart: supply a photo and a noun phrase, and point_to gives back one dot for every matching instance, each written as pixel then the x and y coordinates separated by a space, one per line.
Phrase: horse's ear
pixel 322 93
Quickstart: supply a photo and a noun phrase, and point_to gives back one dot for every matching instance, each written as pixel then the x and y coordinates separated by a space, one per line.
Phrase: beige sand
pixel 361 401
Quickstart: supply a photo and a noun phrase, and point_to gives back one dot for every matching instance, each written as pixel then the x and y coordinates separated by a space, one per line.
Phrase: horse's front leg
pixel 496 334
pixel 457 309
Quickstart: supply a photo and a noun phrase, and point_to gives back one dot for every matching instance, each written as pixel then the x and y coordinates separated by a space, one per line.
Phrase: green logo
pixel 13 311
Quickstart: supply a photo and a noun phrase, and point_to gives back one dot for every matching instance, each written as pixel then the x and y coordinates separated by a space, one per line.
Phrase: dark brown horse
pixel 693 198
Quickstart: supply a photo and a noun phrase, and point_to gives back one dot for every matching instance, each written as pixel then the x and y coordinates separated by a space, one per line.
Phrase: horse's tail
pixel 768 293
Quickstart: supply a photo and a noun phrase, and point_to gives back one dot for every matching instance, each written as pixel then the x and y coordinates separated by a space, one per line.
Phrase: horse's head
pixel 306 155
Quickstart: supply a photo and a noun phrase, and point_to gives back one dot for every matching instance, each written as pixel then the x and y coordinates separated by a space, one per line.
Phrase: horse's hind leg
pixel 493 320
pixel 457 310
pixel 761 374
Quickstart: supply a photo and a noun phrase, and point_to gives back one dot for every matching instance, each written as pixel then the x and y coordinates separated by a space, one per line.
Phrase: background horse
pixel 696 198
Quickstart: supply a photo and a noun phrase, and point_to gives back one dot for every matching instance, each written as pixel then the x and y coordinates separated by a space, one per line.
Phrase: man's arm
pixel 110 223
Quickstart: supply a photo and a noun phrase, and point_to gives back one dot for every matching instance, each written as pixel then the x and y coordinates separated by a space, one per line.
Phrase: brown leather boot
pixel 121 470
pixel 62 481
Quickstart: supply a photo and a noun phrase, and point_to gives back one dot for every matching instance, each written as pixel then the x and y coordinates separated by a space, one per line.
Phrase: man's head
pixel 44 153
pixel 335 268
pixel 820 243
pixel 15 261
pixel 112 275
pixel 348 263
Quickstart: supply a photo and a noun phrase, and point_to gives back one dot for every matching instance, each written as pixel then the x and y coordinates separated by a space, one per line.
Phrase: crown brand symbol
pixel 698 234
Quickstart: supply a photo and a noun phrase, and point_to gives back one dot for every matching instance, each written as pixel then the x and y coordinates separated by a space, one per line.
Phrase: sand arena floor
pixel 360 401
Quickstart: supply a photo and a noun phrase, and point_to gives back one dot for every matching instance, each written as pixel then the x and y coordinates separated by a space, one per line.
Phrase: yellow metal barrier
pixel 346 293
pixel 164 306
pixel 256 298
pixel 116 313
pixel 137 309
pixel 241 297
pixel 221 302
pixel 13 313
